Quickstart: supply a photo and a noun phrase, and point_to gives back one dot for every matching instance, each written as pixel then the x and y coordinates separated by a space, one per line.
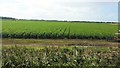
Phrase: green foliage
pixel 60 56
pixel 57 30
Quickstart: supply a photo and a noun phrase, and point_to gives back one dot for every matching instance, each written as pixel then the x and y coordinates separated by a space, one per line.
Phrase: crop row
pixel 57 30
pixel 53 36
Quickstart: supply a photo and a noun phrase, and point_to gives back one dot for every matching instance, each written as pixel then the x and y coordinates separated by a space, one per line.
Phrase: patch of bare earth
pixel 58 42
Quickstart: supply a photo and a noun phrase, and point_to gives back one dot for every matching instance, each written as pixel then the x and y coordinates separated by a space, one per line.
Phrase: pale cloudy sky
pixel 82 10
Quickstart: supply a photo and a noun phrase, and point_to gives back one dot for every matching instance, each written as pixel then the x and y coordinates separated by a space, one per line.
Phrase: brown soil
pixel 58 42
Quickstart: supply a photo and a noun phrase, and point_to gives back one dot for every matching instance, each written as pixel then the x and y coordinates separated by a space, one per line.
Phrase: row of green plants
pixel 56 56
pixel 54 36
pixel 57 30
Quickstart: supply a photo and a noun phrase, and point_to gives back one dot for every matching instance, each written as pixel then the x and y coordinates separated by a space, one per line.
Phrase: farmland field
pixel 57 30
pixel 56 44
pixel 59 34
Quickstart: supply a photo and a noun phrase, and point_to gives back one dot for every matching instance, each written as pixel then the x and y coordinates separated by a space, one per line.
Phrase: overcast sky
pixel 87 10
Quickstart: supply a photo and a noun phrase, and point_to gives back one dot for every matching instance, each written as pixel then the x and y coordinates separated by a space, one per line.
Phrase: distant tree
pixel 7 18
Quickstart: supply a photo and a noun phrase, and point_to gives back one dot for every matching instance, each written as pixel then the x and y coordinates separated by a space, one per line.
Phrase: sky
pixel 71 10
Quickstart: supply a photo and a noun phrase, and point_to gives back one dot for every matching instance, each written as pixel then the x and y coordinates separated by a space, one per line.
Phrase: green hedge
pixel 60 56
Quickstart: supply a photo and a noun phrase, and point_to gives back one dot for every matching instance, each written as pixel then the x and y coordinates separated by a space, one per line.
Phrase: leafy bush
pixel 60 56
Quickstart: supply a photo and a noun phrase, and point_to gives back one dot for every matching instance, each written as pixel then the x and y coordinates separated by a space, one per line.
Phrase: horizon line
pixel 55 19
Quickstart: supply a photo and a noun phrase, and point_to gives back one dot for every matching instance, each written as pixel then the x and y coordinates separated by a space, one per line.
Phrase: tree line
pixel 10 18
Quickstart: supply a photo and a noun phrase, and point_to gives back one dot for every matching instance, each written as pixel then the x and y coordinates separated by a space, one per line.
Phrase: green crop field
pixel 57 30
pixel 31 52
